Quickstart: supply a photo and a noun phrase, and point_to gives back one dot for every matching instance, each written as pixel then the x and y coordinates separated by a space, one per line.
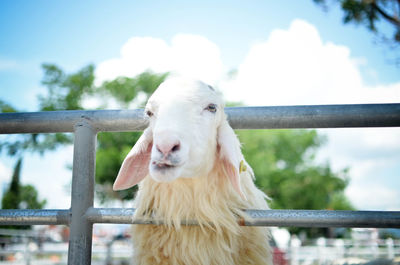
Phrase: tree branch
pixel 388 17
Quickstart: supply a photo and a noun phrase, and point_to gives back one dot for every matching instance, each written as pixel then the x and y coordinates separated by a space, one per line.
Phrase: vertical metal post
pixel 80 241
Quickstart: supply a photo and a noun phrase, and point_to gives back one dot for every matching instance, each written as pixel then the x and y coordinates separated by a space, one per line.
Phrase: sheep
pixel 189 166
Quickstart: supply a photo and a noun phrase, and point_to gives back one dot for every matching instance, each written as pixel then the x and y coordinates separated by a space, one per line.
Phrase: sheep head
pixel 188 132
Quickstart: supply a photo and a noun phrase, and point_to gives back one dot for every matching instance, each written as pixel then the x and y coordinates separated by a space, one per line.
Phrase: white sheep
pixel 189 166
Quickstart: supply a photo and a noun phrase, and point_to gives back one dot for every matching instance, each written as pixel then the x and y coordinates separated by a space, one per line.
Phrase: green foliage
pixel 20 196
pixel 360 12
pixel 111 151
pixel 371 14
pixel 65 92
pixel 284 165
pixel 6 108
pixel 126 89
pixel 339 201
pixel 11 198
pixel 30 198
pixel 283 162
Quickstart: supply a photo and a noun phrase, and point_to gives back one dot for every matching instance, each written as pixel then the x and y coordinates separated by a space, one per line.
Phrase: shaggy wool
pixel 216 206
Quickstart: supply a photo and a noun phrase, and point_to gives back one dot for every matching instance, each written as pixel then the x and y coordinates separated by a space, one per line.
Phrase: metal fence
pixel 86 124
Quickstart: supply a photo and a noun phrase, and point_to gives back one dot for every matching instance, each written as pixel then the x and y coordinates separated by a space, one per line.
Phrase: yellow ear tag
pixel 242 167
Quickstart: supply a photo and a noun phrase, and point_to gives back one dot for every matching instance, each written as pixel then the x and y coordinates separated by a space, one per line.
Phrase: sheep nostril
pixel 166 148
pixel 176 148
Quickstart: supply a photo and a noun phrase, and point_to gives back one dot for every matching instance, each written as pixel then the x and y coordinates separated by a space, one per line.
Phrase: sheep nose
pixel 167 147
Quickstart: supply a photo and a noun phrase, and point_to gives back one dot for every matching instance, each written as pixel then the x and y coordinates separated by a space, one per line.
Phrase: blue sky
pixel 75 33
pixel 235 35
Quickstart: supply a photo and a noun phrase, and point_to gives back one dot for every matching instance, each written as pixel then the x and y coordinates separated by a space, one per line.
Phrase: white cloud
pixel 295 66
pixel 372 156
pixel 189 55
pixel 99 101
pixel 377 198
pixel 353 144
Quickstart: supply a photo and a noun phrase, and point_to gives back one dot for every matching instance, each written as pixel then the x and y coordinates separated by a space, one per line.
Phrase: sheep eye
pixel 149 113
pixel 212 108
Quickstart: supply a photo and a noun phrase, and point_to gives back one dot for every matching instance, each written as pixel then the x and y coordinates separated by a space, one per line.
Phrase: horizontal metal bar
pixel 315 116
pixel 323 218
pixel 282 218
pixel 64 121
pixel 121 216
pixel 110 215
pixel 279 117
pixel 34 217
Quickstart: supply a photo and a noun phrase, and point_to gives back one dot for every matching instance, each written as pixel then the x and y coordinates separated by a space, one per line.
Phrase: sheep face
pixel 187 133
pixel 184 116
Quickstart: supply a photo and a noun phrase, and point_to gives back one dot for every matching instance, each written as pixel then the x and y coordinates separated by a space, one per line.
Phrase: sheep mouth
pixel 163 165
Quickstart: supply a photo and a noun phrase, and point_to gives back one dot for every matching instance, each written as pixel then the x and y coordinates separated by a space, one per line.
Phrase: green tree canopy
pixel 285 168
pixel 19 196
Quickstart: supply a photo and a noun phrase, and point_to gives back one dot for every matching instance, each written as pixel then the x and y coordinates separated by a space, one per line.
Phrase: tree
pixel 283 162
pixel 284 165
pixel 65 92
pixel 20 196
pixel 111 151
pixel 371 13
pixel 11 198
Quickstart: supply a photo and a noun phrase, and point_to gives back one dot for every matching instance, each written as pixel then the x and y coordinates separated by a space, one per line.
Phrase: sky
pixel 282 53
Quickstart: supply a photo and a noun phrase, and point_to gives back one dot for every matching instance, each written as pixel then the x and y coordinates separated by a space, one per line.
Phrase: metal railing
pixel 86 124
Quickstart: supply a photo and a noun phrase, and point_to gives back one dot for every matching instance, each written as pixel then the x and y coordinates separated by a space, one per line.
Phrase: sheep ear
pixel 136 164
pixel 230 154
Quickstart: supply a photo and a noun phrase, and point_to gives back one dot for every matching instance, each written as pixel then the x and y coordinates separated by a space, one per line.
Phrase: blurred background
pixel 59 55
